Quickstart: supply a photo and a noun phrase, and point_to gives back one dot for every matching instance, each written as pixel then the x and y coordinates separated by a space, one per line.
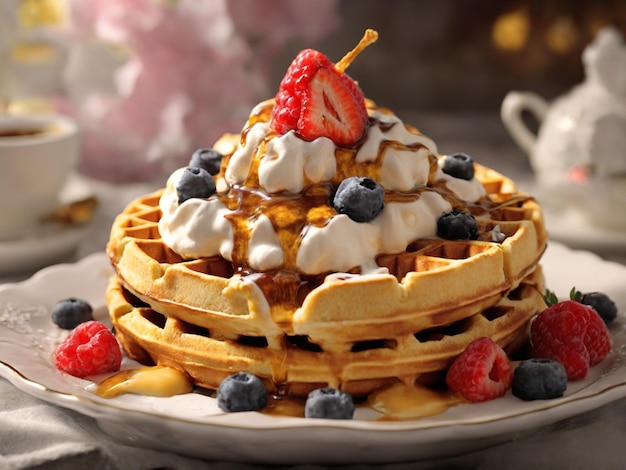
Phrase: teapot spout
pixel 513 105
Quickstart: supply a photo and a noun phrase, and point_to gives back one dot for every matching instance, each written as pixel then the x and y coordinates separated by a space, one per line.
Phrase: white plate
pixel 192 424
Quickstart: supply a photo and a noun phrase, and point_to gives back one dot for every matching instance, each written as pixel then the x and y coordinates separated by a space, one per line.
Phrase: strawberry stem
pixel 368 38
pixel 575 295
pixel 550 298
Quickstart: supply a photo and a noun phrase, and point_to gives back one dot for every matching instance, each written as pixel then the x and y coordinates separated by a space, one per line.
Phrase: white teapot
pixel 579 153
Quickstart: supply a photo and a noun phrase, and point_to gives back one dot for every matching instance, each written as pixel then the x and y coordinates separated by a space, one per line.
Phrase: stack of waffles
pixel 265 275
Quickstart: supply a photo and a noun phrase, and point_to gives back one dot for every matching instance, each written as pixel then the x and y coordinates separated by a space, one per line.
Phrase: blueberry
pixel 195 182
pixel 69 313
pixel 207 159
pixel 360 198
pixel 459 165
pixel 329 403
pixel 457 225
pixel 539 379
pixel 241 392
pixel 602 304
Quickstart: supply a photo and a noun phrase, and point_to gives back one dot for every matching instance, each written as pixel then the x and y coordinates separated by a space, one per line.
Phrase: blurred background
pixel 152 79
pixel 149 81
pixel 467 54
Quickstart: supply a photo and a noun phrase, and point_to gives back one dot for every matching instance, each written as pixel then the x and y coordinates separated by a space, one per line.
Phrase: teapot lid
pixel 605 61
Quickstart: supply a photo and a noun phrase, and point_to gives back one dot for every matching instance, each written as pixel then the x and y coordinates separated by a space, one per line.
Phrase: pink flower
pixel 279 20
pixel 193 71
pixel 271 23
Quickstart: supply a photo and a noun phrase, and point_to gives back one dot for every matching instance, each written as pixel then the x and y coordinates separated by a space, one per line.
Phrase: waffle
pixel 348 331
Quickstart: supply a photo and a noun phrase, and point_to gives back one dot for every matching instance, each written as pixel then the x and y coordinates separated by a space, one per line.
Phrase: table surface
pixel 34 434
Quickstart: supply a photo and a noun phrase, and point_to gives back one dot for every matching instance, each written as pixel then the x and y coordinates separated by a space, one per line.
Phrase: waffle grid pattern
pixel 199 316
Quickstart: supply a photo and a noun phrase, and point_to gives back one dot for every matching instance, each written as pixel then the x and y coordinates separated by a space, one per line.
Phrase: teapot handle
pixel 514 103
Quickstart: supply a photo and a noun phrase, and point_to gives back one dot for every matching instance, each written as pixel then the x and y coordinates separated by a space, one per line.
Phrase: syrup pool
pixel 400 402
pixel 157 381
pixel 396 402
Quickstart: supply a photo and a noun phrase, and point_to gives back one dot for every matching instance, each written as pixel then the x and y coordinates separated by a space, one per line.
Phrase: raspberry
pixel 481 372
pixel 573 334
pixel 90 349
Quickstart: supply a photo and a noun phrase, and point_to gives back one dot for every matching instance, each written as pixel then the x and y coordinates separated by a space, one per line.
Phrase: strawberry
pixel 571 333
pixel 315 100
pixel 481 372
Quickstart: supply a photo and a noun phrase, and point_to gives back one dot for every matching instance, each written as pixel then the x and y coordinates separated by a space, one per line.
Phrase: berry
pixel 539 379
pixel 90 349
pixel 459 165
pixel 329 403
pixel 241 392
pixel 195 183
pixel 69 313
pixel 602 304
pixel 207 159
pixel 360 198
pixel 573 334
pixel 317 100
pixel 457 225
pixel 481 372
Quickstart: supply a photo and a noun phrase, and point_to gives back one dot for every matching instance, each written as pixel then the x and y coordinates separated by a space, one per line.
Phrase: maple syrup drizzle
pixel 291 215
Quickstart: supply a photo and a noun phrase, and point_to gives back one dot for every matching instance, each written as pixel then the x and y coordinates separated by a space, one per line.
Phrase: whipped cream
pixel 402 160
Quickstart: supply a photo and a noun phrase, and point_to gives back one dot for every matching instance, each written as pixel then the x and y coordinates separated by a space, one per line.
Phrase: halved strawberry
pixel 316 100
pixel 332 109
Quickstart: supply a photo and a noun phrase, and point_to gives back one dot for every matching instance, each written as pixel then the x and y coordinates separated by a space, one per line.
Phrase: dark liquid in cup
pixel 21 132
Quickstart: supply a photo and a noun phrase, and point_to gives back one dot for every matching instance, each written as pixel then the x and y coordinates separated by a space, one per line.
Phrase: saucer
pixel 52 243
pixel 567 223
pixel 573 229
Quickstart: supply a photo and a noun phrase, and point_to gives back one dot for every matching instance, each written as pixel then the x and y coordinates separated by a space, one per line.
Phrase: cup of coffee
pixel 37 154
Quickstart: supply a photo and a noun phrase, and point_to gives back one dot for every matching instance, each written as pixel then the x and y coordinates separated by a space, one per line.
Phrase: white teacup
pixel 37 154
